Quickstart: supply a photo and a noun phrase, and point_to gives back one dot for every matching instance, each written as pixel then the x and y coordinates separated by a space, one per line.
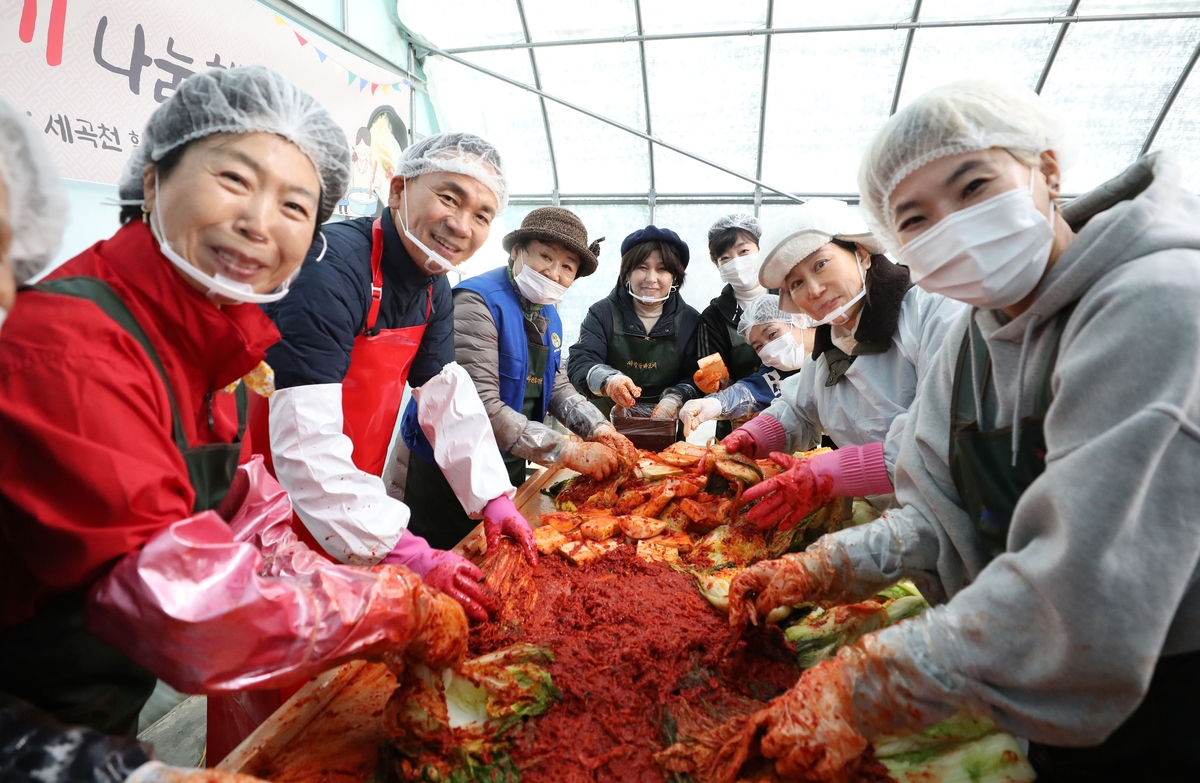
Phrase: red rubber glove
pixel 790 496
pixel 455 576
pixel 501 518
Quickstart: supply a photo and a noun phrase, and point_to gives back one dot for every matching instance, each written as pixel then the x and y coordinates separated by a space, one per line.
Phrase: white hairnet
pixel 37 200
pixel 801 231
pixel 740 221
pixel 765 310
pixel 960 117
pixel 457 153
pixel 245 99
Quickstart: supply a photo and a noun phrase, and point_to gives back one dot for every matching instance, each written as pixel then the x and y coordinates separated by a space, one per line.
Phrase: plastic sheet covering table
pixel 331 729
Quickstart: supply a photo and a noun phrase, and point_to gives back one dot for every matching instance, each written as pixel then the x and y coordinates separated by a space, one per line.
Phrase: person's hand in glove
pixel 696 412
pixel 790 496
pixel 501 518
pixel 622 390
pixel 455 576
pixel 668 407
pixel 626 452
pixel 802 577
pixel 757 438
pixel 810 731
pixel 441 637
pixel 590 459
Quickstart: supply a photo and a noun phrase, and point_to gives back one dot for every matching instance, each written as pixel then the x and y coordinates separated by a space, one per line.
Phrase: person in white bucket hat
pixel 876 334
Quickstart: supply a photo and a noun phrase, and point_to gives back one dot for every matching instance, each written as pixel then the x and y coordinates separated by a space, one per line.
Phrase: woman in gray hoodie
pixel 1049 471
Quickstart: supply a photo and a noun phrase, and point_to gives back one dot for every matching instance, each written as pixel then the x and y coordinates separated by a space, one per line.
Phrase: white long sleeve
pixel 347 510
pixel 457 425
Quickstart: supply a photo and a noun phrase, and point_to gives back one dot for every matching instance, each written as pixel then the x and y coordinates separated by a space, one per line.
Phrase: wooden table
pixel 331 729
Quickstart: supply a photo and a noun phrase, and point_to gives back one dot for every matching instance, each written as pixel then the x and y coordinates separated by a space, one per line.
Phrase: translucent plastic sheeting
pixel 827 94
pixel 944 10
pixel 592 156
pixel 691 222
pixel 1180 131
pixel 455 23
pixel 704 97
pixel 1110 82
pixel 555 20
pixel 793 14
pixel 1011 55
pixel 507 116
pixel 674 16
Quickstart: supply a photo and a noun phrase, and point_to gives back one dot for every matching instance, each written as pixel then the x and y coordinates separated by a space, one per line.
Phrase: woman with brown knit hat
pixel 508 336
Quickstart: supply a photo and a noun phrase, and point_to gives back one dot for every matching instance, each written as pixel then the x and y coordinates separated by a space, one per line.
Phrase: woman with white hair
pixel 1048 497
pixel 876 336
pixel 33 205
pixel 122 396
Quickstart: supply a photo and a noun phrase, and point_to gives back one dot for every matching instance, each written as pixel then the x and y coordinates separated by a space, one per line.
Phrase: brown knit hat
pixel 562 226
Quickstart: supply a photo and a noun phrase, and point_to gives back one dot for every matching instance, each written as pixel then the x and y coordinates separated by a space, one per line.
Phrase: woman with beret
pixel 639 344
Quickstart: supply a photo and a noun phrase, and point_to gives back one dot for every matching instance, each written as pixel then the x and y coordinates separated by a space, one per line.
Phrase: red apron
pixel 371 395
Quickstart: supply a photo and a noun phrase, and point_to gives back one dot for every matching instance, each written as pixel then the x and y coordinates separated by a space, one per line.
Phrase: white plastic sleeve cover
pixel 454 420
pixel 347 510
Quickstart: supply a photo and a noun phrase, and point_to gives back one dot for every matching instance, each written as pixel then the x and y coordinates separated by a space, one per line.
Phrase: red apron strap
pixel 428 303
pixel 376 276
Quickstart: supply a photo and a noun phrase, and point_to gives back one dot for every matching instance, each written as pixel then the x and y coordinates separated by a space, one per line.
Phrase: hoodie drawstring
pixel 975 371
pixel 1016 423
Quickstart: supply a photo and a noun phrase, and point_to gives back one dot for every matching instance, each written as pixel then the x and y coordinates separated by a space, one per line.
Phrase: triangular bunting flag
pixel 361 84
pixel 406 83
pixel 374 87
pixel 320 54
pixel 298 38
pixel 279 20
pixel 352 78
pixel 385 88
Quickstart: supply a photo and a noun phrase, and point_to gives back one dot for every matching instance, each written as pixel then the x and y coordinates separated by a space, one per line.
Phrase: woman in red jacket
pixel 121 409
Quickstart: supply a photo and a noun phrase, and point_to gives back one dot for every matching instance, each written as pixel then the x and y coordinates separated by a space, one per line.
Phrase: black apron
pixel 1158 741
pixel 745 362
pixel 50 660
pixel 652 363
pixel 443 522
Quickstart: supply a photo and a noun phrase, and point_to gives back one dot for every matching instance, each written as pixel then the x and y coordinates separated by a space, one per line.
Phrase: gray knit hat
pixel 562 226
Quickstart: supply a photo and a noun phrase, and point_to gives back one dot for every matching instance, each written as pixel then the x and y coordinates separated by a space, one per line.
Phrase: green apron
pixel 653 364
pixel 981 462
pixel 745 362
pixel 50 660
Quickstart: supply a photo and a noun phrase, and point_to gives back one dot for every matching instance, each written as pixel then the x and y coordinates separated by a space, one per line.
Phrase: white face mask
pixel 990 255
pixel 838 315
pixel 536 287
pixel 218 284
pixel 650 299
pixel 434 263
pixel 783 353
pixel 741 272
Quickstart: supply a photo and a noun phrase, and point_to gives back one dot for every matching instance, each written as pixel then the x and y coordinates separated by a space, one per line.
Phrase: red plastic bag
pixel 213 606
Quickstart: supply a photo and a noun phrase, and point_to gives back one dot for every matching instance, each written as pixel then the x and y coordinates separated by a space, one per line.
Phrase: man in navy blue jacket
pixel 371 308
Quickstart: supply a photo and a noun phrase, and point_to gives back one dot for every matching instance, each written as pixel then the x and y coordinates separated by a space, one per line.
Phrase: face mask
pixel 990 255
pixel 838 316
pixel 218 284
pixel 434 263
pixel 783 353
pixel 538 288
pixel 651 299
pixel 741 272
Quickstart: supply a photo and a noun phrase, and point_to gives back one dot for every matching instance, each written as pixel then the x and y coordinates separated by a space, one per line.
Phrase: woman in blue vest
pixel 508 336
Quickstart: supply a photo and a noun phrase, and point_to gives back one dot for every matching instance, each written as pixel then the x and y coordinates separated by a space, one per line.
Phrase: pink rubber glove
pixel 501 518
pixel 455 576
pixel 808 484
pixel 757 438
